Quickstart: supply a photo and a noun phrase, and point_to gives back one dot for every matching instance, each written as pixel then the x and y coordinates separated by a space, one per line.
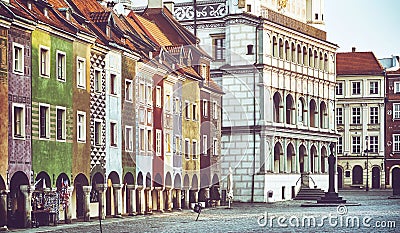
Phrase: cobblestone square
pixel 376 213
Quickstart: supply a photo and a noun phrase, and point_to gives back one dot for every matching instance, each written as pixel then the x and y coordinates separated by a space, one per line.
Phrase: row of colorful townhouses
pixel 113 113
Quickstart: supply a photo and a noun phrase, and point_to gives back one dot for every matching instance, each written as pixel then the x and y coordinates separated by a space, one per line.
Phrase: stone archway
pixel 129 181
pixel 113 194
pixel 396 181
pixel 79 183
pixel 17 213
pixel 357 176
pixel 42 181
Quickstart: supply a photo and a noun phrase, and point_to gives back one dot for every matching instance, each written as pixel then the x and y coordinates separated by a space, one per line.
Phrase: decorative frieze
pixel 203 10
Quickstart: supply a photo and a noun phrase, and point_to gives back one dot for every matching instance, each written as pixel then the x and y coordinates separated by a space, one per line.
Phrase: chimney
pixel 155 4
pixel 170 6
pixel 353 49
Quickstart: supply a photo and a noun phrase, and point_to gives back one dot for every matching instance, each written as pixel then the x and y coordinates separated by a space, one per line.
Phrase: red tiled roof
pixel 357 63
pixel 215 86
pixel 100 17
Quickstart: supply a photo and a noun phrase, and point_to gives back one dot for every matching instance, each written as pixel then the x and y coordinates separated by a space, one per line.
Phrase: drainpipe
pixel 195 18
pixel 254 108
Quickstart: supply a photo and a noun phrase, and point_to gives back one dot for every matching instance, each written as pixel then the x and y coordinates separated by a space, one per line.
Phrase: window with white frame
pixel 339 88
pixel 356 115
pixel 194 113
pixel 149 94
pixel 168 102
pixel 339 146
pixel 215 146
pixel 177 105
pixel 373 144
pixel 18 58
pixel 373 115
pixel 81 72
pixel 219 48
pixel 128 138
pixel 187 148
pixel 81 126
pixel 113 84
pixel 396 142
pixel 396 111
pixel 158 142
pixel 61 125
pixel 215 109
pixel 373 87
pixel 142 140
pixel 44 61
pixel 194 149
pixel 205 145
pixel 178 148
pixel 97 81
pixel 18 116
pixel 356 144
pixel 158 97
pixel 44 121
pixel 128 90
pixel 149 140
pixel 205 108
pixel 142 93
pixel 61 65
pixel 396 87
pixel 149 117
pixel 187 110
pixel 356 88
pixel 97 132
pixel 168 143
pixel 113 133
pixel 339 116
pixel 204 71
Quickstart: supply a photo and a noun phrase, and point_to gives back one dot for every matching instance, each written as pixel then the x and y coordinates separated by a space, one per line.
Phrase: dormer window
pixel 108 32
pixel 68 15
pixel 123 40
pixel 46 12
pixel 29 5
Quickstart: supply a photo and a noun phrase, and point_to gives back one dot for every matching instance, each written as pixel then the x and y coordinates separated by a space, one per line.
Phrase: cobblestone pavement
pixel 376 210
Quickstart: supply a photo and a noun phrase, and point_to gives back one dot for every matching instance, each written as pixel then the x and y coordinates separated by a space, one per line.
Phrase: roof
pixel 100 17
pixel 357 63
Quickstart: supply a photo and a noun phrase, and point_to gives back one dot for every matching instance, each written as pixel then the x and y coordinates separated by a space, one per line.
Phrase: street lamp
pixel 366 165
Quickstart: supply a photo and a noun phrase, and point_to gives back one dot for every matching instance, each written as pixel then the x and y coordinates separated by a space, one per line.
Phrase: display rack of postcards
pixel 45 207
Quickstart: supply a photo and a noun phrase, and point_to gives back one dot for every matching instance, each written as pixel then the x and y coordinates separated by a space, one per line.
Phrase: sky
pixel 368 25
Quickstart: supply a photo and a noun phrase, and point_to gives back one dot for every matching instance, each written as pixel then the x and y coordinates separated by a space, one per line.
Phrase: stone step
pixel 309 194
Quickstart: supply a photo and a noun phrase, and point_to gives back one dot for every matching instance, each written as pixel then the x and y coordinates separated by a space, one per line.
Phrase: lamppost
pixel 366 164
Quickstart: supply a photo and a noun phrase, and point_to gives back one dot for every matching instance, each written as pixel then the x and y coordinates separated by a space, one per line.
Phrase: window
pixel 187 148
pixel 113 134
pixel 168 103
pixel 128 138
pixel 141 140
pixel 149 95
pixel 219 48
pixel 158 96
pixel 128 90
pixel 18 58
pixel 97 81
pixel 60 123
pixel 168 142
pixel 356 88
pixel 158 142
pixel 113 84
pixel 339 88
pixel 194 149
pixel 44 61
pixel 142 93
pixel 356 115
pixel 149 140
pixel 373 144
pixel 339 116
pixel 177 106
pixel 81 126
pixel 18 120
pixel 205 108
pixel 215 146
pixel 316 16
pixel 204 71
pixel 149 117
pixel 373 87
pixel 339 146
pixel 373 115
pixel 248 8
pixel 97 133
pixel 396 142
pixel 44 121
pixel 205 145
pixel 356 145
pixel 215 109
pixel 396 111
pixel 81 73
pixel 61 66
pixel 194 109
pixel 187 110
pixel 396 87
